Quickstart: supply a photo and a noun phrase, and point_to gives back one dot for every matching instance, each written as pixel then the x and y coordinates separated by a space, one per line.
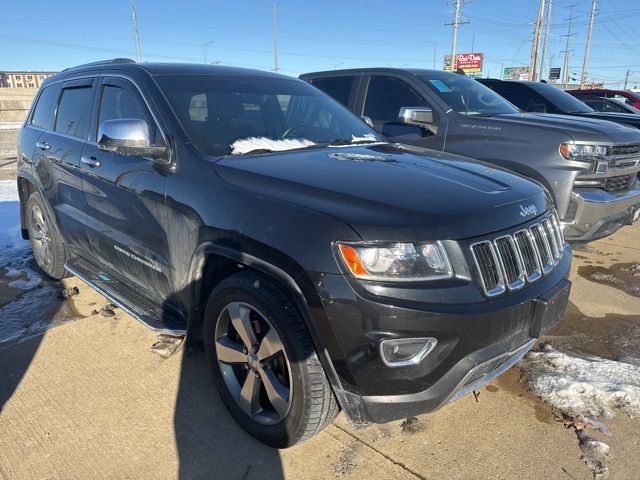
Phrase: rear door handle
pixel 43 145
pixel 91 161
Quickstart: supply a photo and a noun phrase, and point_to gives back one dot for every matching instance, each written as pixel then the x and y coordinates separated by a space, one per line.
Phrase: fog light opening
pixel 403 352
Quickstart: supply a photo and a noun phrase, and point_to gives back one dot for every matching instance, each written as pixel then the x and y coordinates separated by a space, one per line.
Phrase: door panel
pixel 125 198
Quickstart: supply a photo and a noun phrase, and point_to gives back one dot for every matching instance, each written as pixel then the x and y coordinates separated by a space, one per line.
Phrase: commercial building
pixel 25 79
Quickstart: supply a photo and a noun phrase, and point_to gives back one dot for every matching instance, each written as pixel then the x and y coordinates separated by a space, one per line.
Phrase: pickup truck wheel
pixel 264 363
pixel 48 248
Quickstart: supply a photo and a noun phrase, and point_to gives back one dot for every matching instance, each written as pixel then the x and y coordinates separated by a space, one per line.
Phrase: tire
pixel 310 403
pixel 48 248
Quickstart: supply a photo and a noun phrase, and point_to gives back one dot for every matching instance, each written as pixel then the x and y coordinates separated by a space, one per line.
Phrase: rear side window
pixel 337 87
pixel 74 112
pixel 43 111
pixel 386 96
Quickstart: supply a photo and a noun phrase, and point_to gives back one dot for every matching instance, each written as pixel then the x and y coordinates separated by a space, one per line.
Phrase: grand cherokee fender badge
pixel 528 210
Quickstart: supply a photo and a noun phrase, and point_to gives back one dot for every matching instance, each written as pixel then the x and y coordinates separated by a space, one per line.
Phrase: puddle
pixel 623 276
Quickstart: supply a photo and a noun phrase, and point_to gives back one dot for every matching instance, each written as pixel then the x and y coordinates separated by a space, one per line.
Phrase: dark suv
pixel 323 268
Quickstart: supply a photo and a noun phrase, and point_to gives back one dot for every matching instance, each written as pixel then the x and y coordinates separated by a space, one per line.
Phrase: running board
pixel 120 294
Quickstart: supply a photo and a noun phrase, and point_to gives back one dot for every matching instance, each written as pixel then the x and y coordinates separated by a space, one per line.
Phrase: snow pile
pixel 245 145
pixel 15 252
pixel 10 125
pixel 583 386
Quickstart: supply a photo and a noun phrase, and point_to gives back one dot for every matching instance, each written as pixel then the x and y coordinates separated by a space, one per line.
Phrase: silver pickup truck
pixel 589 166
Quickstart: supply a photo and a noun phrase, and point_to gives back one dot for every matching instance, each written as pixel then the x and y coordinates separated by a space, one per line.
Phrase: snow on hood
pixel 245 145
pixel 583 386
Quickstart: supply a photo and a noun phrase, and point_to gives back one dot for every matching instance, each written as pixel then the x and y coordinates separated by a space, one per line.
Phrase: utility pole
pixel 585 63
pixel 535 44
pixel 275 40
pixel 456 23
pixel 136 36
pixel 546 38
pixel 626 79
pixel 565 68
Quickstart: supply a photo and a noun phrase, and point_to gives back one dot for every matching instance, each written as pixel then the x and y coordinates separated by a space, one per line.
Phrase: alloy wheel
pixel 40 234
pixel 253 363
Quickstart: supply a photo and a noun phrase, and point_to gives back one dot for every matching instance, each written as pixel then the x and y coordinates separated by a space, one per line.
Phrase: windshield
pixel 466 96
pixel 228 114
pixel 561 99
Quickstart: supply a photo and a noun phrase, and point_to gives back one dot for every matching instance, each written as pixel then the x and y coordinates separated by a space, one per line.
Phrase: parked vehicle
pixel 546 98
pixel 626 96
pixel 612 105
pixel 589 166
pixel 323 268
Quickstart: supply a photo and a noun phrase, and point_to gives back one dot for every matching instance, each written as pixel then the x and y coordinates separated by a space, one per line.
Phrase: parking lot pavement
pixel 89 399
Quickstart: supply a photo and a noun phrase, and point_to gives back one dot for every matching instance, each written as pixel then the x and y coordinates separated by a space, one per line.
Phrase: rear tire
pixel 48 248
pixel 270 348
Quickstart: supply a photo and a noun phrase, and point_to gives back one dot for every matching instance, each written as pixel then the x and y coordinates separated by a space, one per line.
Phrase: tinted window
pixel 117 103
pixel 561 99
pixel 338 87
pixel 43 112
pixel 520 97
pixel 74 111
pixel 386 96
pixel 237 114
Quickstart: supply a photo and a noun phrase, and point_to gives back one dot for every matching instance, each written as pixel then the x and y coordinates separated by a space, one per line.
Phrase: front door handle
pixel 43 145
pixel 91 161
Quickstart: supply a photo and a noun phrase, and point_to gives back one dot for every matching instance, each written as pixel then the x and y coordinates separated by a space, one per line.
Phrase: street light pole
pixel 275 40
pixel 204 48
pixel 435 53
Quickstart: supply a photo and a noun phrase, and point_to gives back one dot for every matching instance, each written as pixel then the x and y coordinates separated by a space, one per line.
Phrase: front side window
pixel 225 115
pixel 117 103
pixel 520 97
pixel 74 111
pixel 386 96
pixel 467 96
pixel 45 106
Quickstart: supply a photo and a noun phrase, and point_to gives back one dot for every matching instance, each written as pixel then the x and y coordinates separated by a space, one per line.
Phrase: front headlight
pixel 402 262
pixel 582 152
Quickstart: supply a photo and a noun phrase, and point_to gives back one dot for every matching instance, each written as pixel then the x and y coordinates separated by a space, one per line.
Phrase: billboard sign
pixel 554 73
pixel 515 73
pixel 469 62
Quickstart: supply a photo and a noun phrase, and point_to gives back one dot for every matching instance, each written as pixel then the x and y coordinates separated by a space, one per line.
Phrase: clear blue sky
pixel 313 34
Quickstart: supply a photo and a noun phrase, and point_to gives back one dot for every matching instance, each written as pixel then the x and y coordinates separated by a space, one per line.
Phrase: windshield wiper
pixel 258 151
pixel 341 141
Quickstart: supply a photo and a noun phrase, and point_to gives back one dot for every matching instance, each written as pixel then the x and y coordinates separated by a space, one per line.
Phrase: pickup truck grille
pixel 619 183
pixel 625 150
pixel 510 261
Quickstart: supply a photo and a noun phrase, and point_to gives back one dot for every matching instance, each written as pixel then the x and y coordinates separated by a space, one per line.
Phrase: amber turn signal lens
pixel 352 260
pixel 565 151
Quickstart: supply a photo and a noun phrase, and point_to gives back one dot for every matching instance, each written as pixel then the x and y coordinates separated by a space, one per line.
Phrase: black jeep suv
pixel 323 268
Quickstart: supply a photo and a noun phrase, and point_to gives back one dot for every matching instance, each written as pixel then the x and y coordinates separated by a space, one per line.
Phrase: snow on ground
pixel 583 386
pixel 10 125
pixel 29 314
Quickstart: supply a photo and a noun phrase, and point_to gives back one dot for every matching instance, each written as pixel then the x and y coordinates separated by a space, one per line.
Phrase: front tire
pixel 263 362
pixel 48 248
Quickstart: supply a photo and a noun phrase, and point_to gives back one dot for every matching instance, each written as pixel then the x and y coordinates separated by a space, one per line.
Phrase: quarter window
pixel 43 111
pixel 74 112
pixel 337 87
pixel 386 96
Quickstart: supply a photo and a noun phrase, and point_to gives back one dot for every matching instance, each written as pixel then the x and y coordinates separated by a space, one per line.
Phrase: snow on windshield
pixel 246 145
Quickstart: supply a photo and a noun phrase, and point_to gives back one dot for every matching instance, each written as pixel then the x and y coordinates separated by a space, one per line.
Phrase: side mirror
pixel 416 116
pixel 128 136
pixel 537 107
pixel 367 120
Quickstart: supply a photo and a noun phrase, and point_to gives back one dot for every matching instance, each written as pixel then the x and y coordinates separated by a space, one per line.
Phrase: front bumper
pixel 599 213
pixel 476 343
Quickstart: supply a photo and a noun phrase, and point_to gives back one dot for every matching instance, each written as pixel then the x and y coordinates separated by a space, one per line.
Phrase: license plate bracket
pixel 549 308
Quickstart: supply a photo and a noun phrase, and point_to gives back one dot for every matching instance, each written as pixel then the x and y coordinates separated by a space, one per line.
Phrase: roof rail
pixel 103 62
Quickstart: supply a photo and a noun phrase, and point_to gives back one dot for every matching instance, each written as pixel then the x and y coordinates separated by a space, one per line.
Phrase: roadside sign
pixel 515 73
pixel 469 62
pixel 554 73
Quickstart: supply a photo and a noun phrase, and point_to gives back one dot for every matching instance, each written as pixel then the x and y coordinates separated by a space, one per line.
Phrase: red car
pixel 627 96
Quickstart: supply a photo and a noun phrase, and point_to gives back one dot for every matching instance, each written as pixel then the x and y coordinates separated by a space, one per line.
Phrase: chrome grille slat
pixel 510 261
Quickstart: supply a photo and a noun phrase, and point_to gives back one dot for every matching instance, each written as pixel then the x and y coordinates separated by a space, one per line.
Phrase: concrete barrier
pixel 15 103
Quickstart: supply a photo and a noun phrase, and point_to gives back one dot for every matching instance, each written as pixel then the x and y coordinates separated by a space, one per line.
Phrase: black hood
pixel 625 118
pixel 389 193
